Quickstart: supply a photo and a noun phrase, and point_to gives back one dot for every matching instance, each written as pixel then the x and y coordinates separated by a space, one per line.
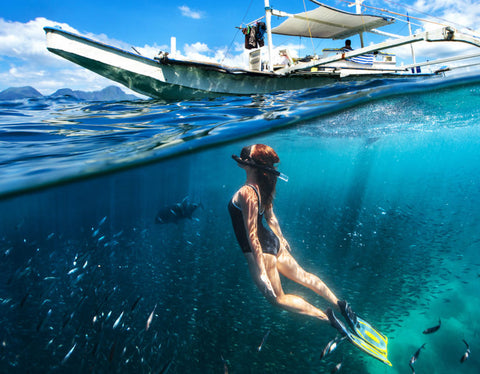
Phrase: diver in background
pixel 266 250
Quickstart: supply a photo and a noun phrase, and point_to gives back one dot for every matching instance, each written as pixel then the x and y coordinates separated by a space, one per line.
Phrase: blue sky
pixel 203 29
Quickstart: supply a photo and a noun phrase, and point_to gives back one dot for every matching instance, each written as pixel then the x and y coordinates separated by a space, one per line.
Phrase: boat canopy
pixel 329 23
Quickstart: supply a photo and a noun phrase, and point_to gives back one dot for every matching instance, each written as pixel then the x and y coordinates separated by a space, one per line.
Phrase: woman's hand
pixel 268 291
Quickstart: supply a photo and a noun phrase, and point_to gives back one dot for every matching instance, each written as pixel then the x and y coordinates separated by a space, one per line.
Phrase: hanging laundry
pixel 261 30
pixel 250 37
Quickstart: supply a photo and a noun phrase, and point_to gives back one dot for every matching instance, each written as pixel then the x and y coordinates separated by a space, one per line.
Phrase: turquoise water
pixel 382 204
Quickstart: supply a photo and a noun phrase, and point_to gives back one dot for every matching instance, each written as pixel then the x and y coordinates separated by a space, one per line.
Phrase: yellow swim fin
pixel 364 337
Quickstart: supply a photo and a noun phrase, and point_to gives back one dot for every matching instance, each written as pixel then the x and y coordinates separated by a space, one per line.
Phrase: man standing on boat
pixel 348 46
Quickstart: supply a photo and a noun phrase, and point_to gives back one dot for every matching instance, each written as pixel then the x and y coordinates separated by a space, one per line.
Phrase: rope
pixel 235 36
pixel 309 30
pixel 382 10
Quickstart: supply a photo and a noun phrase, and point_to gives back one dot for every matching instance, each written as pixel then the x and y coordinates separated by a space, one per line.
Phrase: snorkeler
pixel 268 252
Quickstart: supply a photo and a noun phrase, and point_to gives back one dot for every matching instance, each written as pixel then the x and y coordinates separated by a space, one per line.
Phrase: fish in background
pixel 336 368
pixel 466 354
pixel 264 340
pixel 415 357
pixel 433 329
pixel 177 212
pixel 331 346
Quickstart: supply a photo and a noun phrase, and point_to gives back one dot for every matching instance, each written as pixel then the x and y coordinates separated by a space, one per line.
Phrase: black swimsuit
pixel 268 240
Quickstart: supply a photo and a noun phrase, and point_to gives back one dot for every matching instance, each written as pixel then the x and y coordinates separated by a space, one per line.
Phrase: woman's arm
pixel 248 200
pixel 272 222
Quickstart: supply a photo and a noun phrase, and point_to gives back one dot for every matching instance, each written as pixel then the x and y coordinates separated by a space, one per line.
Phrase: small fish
pixel 336 368
pixel 466 354
pixel 150 318
pixel 166 367
pixel 112 351
pixel 331 346
pixel 264 340
pixel 24 299
pixel 42 321
pixel 67 356
pixel 73 271
pixel 117 322
pixel 102 221
pixel 135 303
pixel 225 365
pixel 433 329
pixel 415 357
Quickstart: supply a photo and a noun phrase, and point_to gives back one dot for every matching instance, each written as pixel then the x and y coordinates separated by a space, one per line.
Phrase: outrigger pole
pixel 443 34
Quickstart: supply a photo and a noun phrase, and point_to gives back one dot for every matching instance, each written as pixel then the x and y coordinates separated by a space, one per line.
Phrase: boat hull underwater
pixel 172 79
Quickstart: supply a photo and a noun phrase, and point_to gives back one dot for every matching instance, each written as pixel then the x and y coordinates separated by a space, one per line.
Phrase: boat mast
pixel 268 21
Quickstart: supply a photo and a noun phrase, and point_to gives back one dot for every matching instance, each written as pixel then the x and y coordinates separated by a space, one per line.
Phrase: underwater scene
pixel 117 253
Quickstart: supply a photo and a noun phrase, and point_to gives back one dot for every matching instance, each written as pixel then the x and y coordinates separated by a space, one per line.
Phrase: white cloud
pixel 460 13
pixel 25 60
pixel 187 12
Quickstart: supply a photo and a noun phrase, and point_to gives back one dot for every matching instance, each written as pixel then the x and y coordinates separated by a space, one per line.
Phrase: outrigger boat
pixel 169 78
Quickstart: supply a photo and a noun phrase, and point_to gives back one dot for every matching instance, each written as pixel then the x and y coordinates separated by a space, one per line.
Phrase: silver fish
pixel 415 357
pixel 67 356
pixel 150 318
pixel 336 368
pixel 265 337
pixel 117 322
pixel 331 346
pixel 102 221
pixel 466 354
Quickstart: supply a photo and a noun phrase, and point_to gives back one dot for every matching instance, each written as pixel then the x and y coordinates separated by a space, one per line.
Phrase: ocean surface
pixel 383 203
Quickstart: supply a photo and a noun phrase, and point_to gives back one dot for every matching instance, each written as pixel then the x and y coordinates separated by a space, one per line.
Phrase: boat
pixel 169 78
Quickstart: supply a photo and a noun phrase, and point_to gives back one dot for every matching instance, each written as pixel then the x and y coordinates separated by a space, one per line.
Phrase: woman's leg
pixel 287 266
pixel 288 302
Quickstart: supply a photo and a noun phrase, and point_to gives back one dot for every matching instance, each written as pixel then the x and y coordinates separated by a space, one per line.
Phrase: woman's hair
pixel 264 155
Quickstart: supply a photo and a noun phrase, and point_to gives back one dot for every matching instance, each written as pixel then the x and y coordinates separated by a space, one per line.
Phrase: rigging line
pixel 235 36
pixel 420 12
pixel 309 30
pixel 398 14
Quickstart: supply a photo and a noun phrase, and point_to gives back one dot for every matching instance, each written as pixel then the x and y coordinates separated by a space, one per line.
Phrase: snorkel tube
pixel 268 169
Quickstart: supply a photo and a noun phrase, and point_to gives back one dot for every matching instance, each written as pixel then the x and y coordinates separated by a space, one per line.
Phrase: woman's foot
pixel 335 322
pixel 348 313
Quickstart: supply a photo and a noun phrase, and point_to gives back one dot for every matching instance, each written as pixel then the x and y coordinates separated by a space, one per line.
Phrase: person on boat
pixel 266 249
pixel 348 46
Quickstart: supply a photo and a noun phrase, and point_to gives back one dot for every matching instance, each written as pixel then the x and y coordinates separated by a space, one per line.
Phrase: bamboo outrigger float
pixel 176 79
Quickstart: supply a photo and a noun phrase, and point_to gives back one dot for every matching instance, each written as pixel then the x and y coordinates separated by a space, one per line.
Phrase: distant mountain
pixel 14 93
pixel 110 93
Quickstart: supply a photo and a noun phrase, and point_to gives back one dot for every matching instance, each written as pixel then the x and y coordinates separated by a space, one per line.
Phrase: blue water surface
pixel 382 204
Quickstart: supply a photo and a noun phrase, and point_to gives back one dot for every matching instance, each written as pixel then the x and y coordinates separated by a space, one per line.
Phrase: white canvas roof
pixel 329 23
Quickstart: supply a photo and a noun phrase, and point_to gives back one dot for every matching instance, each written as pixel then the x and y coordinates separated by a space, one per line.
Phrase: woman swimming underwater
pixel 266 250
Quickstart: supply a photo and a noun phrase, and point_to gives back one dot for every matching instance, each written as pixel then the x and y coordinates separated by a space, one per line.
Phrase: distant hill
pixel 14 93
pixel 110 93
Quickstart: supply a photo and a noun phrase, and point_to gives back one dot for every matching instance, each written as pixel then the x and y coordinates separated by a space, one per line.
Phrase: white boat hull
pixel 171 79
